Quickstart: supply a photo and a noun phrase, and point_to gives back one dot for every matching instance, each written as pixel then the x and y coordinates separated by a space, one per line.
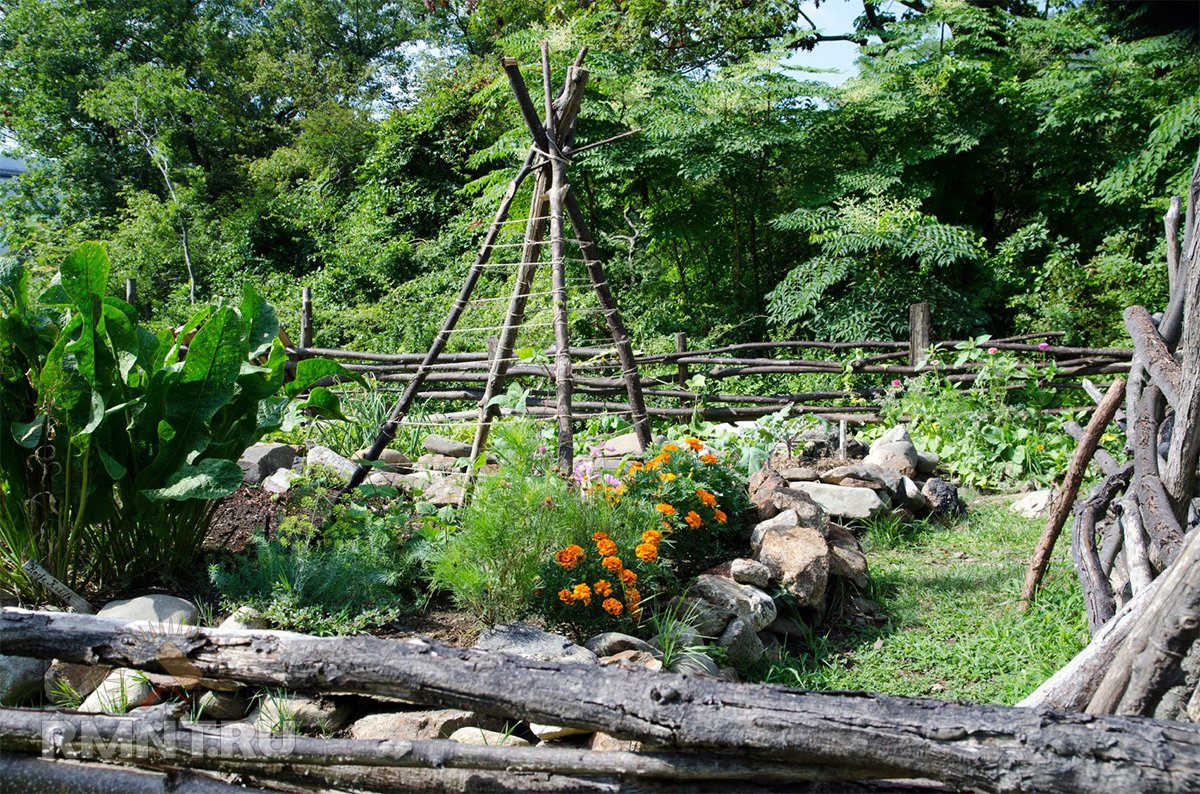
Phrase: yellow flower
pixel 720 516
pixel 602 588
pixel 667 477
pixel 606 548
pixel 708 458
pixel 612 563
pixel 612 606
pixel 652 536
pixel 646 552
pixel 693 519
pixel 566 596
pixel 628 578
pixel 706 498
pixel 665 509
pixel 569 557
pixel 582 593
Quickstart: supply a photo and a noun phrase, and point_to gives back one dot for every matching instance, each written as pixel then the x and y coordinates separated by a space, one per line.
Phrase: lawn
pixel 951 628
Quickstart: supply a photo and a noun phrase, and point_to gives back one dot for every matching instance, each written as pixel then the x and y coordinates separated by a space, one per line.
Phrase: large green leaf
pixel 310 371
pixel 84 278
pixel 262 327
pixel 211 478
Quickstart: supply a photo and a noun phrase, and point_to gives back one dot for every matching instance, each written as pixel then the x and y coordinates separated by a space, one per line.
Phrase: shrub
pixel 113 441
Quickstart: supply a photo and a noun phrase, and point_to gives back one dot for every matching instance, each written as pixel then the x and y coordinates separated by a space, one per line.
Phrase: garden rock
pixel 894 450
pixel 876 476
pixel 798 559
pixel 154 608
pixel 486 738
pixel 432 461
pixel 67 677
pixel 708 619
pixel 386 479
pixel 392 460
pixel 245 619
pixel 440 445
pixel 772 647
pixel 909 495
pixel 548 733
pixel 694 662
pixel 433 724
pixel 443 492
pixel 744 601
pixel 762 487
pixel 122 690
pixel 927 462
pixel 634 659
pixel 611 642
pixel 846 558
pixel 223 705
pixel 1034 504
pixel 788 626
pixel 750 572
pixel 324 456
pixel 280 481
pixel 290 713
pixel 943 497
pixel 605 743
pixel 262 460
pixel 797 500
pixel 20 678
pixel 800 474
pixel 522 639
pixel 842 502
pixel 741 644
pixel 622 446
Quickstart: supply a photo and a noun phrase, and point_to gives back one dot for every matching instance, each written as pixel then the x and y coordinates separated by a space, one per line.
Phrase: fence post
pixel 306 330
pixel 681 347
pixel 920 333
pixel 131 292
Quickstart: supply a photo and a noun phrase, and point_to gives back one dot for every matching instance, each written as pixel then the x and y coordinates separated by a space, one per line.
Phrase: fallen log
pixel 30 773
pixel 991 748
pixel 1097 592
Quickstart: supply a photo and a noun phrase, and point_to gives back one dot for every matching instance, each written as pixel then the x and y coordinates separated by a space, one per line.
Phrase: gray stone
pixel 743 600
pixel 846 558
pixel 387 479
pixel 324 456
pixel 120 691
pixel 440 445
pixel 943 497
pixel 245 619
pixel 750 572
pixel 788 627
pixel 412 725
pixel 154 608
pixel 548 733
pixel 763 485
pixel 843 502
pixel 483 737
pixel 634 659
pixel 446 491
pixel 797 500
pixel 611 642
pixel 894 435
pixel 522 639
pixel 1033 504
pixel 433 461
pixel 625 445
pixel 262 460
pixel 909 495
pixel 66 680
pixel 280 481
pixel 879 476
pixel 391 460
pixel 742 644
pixel 772 647
pixel 800 474
pixel 223 705
pixel 708 619
pixel 20 678
pixel 292 713
pixel 898 456
pixel 694 662
pixel 927 462
pixel 798 559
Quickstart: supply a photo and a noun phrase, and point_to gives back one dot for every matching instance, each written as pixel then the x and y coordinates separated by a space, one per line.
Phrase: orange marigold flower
pixel 693 519
pixel 599 536
pixel 569 557
pixel 646 552
pixel 706 498
pixel 602 588
pixel 668 448
pixel 665 509
pixel 566 596
pixel 666 477
pixel 652 536
pixel 708 457
pixel 612 563
pixel 695 443
pixel 606 548
pixel 634 467
pixel 666 526
pixel 628 578
pixel 582 593
pixel 632 597
pixel 612 606
pixel 720 516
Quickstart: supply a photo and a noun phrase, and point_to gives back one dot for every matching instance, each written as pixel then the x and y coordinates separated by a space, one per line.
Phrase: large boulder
pixel 798 559
pixel 878 477
pixel 324 456
pixel 797 500
pixel 120 691
pixel 843 502
pixel 744 601
pixel 742 645
pixel 894 450
pixel 153 608
pixel 522 639
pixel 762 487
pixel 262 460
pixel 440 445
pixel 20 678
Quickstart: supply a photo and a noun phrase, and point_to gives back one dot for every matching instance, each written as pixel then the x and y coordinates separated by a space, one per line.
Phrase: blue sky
pixel 832 17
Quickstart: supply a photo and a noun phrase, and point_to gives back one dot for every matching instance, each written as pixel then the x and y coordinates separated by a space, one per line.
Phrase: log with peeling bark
pixel 991 748
pixel 21 772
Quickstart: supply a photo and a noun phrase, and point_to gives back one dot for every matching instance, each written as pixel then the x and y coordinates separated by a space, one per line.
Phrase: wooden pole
pixel 306 326
pixel 681 375
pixel 920 332
pixel 131 292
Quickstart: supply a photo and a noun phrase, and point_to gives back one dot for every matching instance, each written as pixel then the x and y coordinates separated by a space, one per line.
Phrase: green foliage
pixel 360 573
pixel 993 432
pixel 114 441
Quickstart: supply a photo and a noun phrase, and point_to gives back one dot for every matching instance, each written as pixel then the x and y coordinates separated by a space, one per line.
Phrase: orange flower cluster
pixel 665 509
pixel 706 498
pixel 693 519
pixel 708 458
pixel 569 557
pixel 605 589
pixel 695 443
pixel 720 516
pixel 613 607
pixel 647 550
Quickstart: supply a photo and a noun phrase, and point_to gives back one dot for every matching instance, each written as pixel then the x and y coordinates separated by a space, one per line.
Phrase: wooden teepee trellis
pixel 553 206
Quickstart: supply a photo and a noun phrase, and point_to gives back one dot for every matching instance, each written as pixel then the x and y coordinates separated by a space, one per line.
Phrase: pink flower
pixel 895 381
pixel 1043 346
pixel 993 351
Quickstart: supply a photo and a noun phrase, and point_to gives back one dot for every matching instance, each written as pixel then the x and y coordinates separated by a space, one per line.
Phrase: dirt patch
pixel 443 624
pixel 237 516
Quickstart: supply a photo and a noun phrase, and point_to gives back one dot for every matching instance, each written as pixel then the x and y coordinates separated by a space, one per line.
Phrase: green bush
pixel 360 573
pixel 114 440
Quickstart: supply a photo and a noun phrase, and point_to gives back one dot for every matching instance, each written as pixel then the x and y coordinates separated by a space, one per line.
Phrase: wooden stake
pixel 920 332
pixel 306 329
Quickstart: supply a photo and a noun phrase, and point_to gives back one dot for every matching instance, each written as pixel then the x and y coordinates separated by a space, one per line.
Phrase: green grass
pixel 949 595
